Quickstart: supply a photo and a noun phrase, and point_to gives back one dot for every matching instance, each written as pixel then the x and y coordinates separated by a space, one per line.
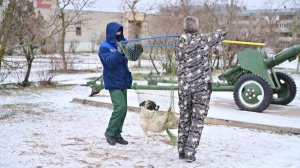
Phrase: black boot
pixel 111 140
pixel 190 159
pixel 181 156
pixel 122 141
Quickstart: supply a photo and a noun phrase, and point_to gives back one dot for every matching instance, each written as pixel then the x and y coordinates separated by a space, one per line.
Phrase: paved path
pixel 276 118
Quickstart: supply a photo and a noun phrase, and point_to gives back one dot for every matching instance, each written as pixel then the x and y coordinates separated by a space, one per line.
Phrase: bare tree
pixel 135 18
pixel 171 15
pixel 274 19
pixel 9 23
pixel 29 29
pixel 21 29
pixel 222 15
pixel 131 5
pixel 65 18
pixel 241 25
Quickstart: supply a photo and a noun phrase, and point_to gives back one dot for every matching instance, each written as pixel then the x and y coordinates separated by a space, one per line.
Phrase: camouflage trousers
pixel 193 110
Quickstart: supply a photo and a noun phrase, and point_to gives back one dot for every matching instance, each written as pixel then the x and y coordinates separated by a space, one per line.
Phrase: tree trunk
pixel 29 59
pixel 218 62
pixel 152 61
pixel 217 58
pixel 225 60
pixel 62 43
pixel 139 63
pixel 230 60
pixel 29 54
pixel 136 36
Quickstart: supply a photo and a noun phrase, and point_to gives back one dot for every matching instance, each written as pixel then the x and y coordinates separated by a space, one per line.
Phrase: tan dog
pixel 156 121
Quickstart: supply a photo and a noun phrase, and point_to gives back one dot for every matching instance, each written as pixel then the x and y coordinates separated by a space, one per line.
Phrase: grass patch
pixel 15 89
pixel 4 92
pixel 14 109
pixel 11 110
pixel 6 116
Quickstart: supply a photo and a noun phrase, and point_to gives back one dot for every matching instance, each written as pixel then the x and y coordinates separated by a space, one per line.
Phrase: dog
pixel 156 121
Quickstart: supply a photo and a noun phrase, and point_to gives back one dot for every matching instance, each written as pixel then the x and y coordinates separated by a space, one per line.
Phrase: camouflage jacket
pixel 193 57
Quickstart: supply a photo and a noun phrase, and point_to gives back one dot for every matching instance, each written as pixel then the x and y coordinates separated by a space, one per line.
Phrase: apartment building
pixel 88 30
pixel 286 23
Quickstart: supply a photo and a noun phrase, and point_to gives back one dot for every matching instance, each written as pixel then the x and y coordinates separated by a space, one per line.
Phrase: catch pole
pixel 244 42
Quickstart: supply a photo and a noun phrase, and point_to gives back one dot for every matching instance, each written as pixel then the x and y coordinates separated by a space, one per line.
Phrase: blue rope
pixel 152 38
pixel 159 45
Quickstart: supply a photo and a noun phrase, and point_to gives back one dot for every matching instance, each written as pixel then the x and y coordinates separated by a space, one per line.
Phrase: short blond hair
pixel 190 24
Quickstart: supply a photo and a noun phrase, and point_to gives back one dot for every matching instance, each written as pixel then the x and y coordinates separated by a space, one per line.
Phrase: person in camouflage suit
pixel 193 56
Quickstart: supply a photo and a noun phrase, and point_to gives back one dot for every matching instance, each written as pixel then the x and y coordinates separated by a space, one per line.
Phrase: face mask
pixel 119 37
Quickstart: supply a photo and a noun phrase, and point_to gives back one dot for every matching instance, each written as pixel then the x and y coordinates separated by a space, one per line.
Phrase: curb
pixel 208 120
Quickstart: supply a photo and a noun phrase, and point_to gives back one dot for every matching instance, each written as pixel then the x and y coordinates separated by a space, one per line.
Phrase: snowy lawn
pixel 41 127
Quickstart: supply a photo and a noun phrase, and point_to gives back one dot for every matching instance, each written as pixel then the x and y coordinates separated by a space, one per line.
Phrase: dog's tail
pixel 172 137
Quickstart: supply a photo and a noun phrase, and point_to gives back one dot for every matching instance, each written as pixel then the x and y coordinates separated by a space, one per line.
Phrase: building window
pixel 284 25
pixel 78 31
pixel 285 43
pixel 275 17
pixel 286 34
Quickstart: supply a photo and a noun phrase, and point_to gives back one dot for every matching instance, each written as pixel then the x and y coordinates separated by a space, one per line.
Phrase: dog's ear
pixel 142 104
pixel 157 107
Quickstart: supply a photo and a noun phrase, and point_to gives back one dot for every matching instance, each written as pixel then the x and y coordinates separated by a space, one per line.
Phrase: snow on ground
pixel 41 127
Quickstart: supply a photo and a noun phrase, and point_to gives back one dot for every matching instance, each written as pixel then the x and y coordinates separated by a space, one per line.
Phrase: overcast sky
pixel 114 5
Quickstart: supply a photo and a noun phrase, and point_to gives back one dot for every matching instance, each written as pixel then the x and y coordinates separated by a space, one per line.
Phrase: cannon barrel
pixel 287 54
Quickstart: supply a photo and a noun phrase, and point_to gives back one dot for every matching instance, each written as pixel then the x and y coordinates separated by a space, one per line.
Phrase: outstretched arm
pixel 215 37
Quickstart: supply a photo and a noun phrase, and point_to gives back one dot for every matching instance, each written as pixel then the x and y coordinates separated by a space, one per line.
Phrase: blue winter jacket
pixel 116 74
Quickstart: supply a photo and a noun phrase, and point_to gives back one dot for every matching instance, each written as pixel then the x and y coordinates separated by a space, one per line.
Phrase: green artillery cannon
pixel 254 83
pixel 96 87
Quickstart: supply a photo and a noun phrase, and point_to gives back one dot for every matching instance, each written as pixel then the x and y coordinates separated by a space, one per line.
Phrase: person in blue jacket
pixel 117 79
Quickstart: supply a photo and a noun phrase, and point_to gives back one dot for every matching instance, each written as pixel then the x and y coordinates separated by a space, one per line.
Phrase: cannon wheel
pixel 252 93
pixel 288 90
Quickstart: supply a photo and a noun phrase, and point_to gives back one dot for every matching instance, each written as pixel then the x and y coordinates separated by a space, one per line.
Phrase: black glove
pixel 222 32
